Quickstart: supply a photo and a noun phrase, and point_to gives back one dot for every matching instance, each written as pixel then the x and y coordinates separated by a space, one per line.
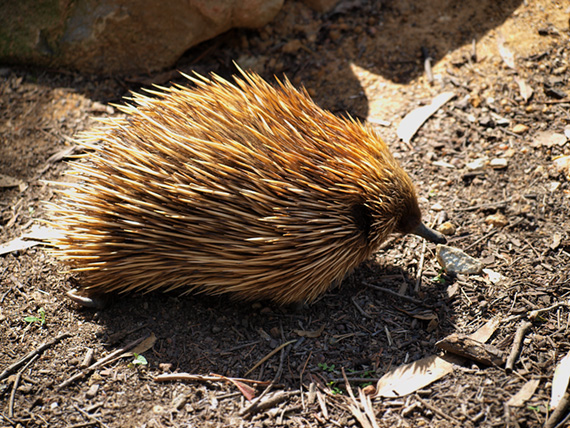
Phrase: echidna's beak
pixel 429 234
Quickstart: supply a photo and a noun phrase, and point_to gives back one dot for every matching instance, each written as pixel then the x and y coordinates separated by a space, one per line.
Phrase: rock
pixel 497 220
pixel 114 37
pixel 498 163
pixel 520 128
pixel 454 261
pixel 476 165
pixel 447 228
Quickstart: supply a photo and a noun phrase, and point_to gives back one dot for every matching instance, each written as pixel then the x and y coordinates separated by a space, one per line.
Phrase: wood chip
pixel 464 346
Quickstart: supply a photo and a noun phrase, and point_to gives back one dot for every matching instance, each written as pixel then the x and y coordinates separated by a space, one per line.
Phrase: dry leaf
pixel 507 56
pixel 524 88
pixel 312 334
pixel 247 391
pixel 525 393
pixel 416 118
pixel 560 381
pixel 409 378
pixel 145 345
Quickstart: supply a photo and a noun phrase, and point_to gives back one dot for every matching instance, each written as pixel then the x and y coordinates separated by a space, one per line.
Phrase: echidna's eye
pixel 362 218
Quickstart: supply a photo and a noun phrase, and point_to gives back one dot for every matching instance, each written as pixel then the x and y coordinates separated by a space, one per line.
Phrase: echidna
pixel 242 188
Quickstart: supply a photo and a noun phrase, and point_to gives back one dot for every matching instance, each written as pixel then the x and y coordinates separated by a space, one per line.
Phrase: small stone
pixel 179 401
pixel 165 367
pixel 437 207
pixel 157 409
pixel 498 163
pixel 453 261
pixel 494 277
pixel 92 392
pixel 497 220
pixel 553 186
pixel 447 228
pixel 216 329
pixel 520 128
pixel 476 165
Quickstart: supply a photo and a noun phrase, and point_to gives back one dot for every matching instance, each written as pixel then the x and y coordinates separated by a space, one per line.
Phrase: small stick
pixel 393 293
pixel 437 411
pixel 32 354
pixel 532 315
pixel 517 345
pixel 111 357
pixel 15 386
pixel 363 313
pixel 420 269
pixel 268 356
pixel 559 412
pixel 201 378
pixel 88 416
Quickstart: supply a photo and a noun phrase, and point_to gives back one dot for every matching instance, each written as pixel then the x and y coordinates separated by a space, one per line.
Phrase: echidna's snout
pixel 429 234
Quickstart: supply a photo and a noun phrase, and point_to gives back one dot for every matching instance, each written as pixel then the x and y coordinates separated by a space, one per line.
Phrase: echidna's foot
pixel 88 301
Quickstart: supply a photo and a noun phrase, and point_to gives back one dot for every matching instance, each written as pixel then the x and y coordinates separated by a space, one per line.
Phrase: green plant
pixel 138 360
pixel 439 278
pixel 41 319
pixel 327 368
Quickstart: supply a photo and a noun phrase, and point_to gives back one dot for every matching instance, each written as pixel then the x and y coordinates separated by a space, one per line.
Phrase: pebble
pixel 437 207
pixel 497 220
pixel 476 165
pixel 92 392
pixel 494 277
pixel 498 163
pixel 165 367
pixel 447 228
pixel 454 261
pixel 520 128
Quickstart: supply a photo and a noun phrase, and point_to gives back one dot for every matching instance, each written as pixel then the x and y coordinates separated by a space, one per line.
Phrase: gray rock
pixel 117 37
pixel 454 261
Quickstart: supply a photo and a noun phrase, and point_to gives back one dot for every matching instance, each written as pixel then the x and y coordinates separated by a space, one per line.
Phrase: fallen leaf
pixel 247 391
pixel 312 334
pixel 549 139
pixel 410 377
pixel 145 345
pixel 416 118
pixel 525 393
pixel 507 56
pixel 560 381
pixel 524 88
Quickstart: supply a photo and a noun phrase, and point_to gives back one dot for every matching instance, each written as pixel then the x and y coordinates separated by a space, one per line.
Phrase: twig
pixel 88 416
pixel 420 268
pixel 35 352
pixel 268 356
pixel 517 345
pixel 559 412
pixel 362 311
pixel 532 315
pixel 15 386
pixel 201 378
pixel 393 293
pixel 491 233
pixel 437 411
pixel 112 356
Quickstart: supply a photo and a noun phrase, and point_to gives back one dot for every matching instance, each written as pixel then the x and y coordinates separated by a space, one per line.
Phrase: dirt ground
pixel 367 59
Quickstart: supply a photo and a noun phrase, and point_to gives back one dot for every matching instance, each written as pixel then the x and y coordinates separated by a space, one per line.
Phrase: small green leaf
pixel 139 360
